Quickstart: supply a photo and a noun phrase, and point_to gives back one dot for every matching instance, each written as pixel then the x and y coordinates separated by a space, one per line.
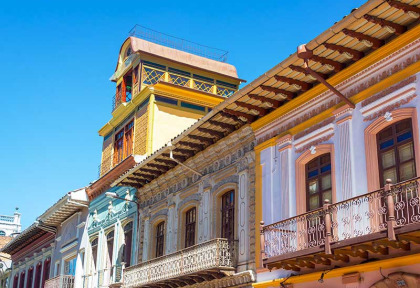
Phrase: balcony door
pixel 70 266
pixel 318 182
pixel 228 215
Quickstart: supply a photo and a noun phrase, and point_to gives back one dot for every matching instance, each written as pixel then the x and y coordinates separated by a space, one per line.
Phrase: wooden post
pixel 262 244
pixel 391 210
pixel 328 234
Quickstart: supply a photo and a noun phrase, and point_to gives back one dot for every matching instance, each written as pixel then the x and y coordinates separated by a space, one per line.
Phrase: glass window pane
pixel 390 174
pixel 403 125
pixel 402 137
pixel 386 144
pixel 327 195
pixel 407 170
pixel 312 173
pixel 326 182
pixel 406 152
pixel 313 186
pixel 326 168
pixel 313 202
pixel 385 133
pixel 388 159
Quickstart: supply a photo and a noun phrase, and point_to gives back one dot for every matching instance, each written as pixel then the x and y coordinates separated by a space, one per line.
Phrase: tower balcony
pixel 377 225
pixel 202 262
pixel 61 281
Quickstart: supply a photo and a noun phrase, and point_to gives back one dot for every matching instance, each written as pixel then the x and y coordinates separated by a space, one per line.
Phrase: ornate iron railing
pixel 394 206
pixel 61 281
pixel 214 254
pixel 118 98
pixel 152 75
pixel 178 43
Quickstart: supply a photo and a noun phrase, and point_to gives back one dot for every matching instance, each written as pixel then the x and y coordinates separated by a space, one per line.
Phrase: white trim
pixel 68 247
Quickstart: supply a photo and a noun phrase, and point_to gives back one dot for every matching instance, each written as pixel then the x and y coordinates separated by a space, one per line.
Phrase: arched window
pixel 38 275
pixel 190 223
pixel 46 273
pixel 128 239
pixel 228 215
pixel 22 280
pixel 396 152
pixel 318 181
pixel 110 245
pixel 2 233
pixel 160 238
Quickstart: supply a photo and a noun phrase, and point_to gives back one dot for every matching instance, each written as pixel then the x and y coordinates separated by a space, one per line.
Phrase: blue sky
pixel 57 56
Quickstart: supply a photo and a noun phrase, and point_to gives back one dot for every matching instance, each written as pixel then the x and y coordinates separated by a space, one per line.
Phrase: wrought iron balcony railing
pixel 61 281
pixel 214 255
pixel 382 212
pixel 118 99
pixel 152 75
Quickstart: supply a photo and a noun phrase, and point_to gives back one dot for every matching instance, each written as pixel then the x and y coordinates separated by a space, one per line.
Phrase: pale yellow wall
pixel 170 122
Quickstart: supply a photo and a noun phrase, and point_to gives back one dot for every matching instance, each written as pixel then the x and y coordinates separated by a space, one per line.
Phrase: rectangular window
pixel 128 238
pixel 396 152
pixel 166 100
pixel 110 246
pixel 94 245
pixel 123 144
pixel 190 220
pixel 160 238
pixel 70 266
pixel 318 182
pixel 192 106
pixel 228 215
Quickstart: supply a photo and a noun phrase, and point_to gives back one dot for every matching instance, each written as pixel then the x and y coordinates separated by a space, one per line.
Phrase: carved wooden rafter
pixel 252 108
pixel 402 6
pixel 168 162
pixel 144 176
pixel 303 70
pixel 226 126
pixel 355 54
pixel 158 166
pixel 289 95
pixel 151 171
pixel 397 28
pixel 187 152
pixel 192 145
pixel 211 132
pixel 272 102
pixel 301 85
pixel 375 42
pixel 202 139
pixel 337 66
pixel 241 115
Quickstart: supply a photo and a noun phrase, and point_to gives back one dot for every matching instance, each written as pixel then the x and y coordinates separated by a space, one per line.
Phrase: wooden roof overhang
pixel 103 183
pixel 28 236
pixel 350 40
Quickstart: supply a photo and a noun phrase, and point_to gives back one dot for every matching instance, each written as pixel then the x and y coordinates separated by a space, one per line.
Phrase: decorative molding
pixel 389 108
pixel 313 128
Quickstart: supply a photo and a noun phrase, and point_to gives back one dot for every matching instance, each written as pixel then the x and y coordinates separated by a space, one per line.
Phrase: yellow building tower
pixel 161 91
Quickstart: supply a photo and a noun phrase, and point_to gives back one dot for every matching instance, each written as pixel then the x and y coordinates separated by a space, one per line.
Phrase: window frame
pixel 127 255
pixel 231 210
pixel 190 227
pixel 319 176
pixel 124 136
pixel 160 239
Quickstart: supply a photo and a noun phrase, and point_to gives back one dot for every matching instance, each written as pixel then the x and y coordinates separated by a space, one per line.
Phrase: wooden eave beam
pixel 211 132
pixel 272 102
pixel 168 162
pixel 241 115
pixel 144 176
pixel 303 70
pixel 191 145
pixel 402 6
pixel 399 29
pixel 158 166
pixel 132 184
pixel 288 94
pixel 336 65
pixel 258 110
pixel 178 157
pixel 230 116
pixel 151 171
pixel 202 139
pixel 304 86
pixel 190 153
pixel 376 43
pixel 356 55
pixel 226 126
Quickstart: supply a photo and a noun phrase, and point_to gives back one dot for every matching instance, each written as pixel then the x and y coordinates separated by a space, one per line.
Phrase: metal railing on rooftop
pixel 178 43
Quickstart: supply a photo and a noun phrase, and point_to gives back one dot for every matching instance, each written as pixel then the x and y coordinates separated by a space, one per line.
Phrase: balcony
pixel 61 281
pixel 377 225
pixel 206 261
pixel 152 75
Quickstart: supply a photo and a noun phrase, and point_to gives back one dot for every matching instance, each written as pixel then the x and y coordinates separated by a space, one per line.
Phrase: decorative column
pixel 146 237
pixel 343 117
pixel 170 239
pixel 284 145
pixel 243 221
pixel 203 213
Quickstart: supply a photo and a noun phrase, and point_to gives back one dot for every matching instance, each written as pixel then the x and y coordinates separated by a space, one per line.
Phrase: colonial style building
pixel 46 253
pixel 160 91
